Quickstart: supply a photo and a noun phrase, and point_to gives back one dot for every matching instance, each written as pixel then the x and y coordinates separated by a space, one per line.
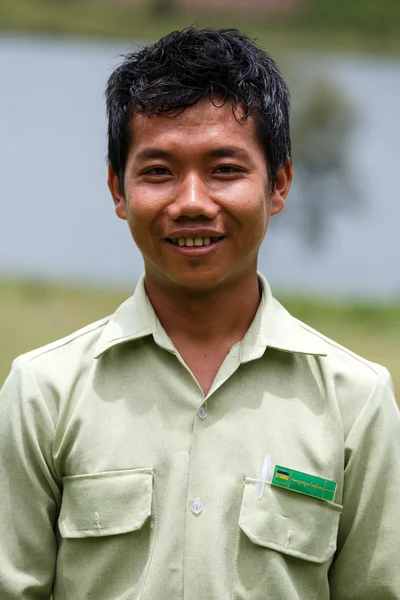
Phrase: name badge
pixel 303 483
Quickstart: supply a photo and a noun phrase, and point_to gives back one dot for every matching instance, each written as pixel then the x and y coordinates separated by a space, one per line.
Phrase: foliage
pixel 164 7
pixel 325 182
pixel 357 25
pixel 369 17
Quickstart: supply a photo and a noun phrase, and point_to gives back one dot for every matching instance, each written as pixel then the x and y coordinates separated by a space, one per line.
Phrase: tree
pixel 325 182
pixel 162 8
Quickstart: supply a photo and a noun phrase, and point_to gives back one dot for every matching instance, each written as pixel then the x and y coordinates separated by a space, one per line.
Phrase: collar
pixel 272 327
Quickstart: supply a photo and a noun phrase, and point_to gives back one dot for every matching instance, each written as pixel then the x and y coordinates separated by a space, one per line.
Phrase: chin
pixel 199 283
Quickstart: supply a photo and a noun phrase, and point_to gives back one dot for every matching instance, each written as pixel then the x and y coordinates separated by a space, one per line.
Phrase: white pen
pixel 264 476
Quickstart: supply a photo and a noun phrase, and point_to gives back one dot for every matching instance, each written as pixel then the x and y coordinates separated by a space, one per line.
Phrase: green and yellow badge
pixel 303 483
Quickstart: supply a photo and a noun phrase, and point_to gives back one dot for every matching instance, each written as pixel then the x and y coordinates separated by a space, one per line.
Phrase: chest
pixel 138 445
pixel 149 415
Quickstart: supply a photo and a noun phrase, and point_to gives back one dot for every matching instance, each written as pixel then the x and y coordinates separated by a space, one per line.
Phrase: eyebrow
pixel 229 152
pixel 221 152
pixel 153 153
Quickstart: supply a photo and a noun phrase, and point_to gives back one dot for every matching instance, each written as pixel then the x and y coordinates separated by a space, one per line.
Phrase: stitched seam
pixel 30 356
pixel 186 506
pixel 271 544
pixel 319 591
pixel 117 341
pixel 22 360
pixel 289 538
pixel 363 408
pixel 129 336
pixel 154 531
pixel 338 346
pixel 104 529
pixel 236 556
pixel 108 474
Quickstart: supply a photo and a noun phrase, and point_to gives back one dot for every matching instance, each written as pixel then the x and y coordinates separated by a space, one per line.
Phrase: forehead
pixel 203 124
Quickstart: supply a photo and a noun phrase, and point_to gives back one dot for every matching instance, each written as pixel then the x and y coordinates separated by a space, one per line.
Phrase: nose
pixel 192 200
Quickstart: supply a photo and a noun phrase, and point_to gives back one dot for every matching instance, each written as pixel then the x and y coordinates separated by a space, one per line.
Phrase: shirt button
pixel 202 412
pixel 196 506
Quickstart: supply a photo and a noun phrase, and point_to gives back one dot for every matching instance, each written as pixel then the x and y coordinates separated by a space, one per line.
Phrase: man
pixel 201 443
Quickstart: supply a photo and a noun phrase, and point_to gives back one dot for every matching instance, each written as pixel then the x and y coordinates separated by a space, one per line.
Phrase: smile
pixel 194 241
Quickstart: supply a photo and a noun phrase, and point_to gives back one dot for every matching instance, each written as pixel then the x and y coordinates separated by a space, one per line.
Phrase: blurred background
pixel 332 257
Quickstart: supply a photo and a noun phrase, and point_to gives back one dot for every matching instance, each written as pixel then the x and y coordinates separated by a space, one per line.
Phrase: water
pixel 57 219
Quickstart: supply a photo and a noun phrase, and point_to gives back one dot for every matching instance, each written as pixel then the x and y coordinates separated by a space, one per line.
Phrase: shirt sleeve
pixel 366 566
pixel 29 493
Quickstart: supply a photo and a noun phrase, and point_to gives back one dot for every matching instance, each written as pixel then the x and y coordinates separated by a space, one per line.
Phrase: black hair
pixel 185 66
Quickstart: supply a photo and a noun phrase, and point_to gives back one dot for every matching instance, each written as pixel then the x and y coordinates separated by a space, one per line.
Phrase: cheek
pixel 146 204
pixel 139 210
pixel 144 219
pixel 256 225
pixel 138 222
pixel 254 214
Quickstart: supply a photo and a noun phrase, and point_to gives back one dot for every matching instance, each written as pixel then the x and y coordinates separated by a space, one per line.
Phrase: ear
pixel 116 192
pixel 281 189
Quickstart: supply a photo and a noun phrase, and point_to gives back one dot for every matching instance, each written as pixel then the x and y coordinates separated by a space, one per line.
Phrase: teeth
pixel 198 241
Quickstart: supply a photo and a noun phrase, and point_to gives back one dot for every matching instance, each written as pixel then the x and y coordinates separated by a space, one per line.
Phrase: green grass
pixel 370 330
pixel 33 314
pixel 360 25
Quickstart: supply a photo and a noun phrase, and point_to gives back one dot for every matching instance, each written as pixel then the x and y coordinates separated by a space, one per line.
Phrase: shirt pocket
pixel 285 544
pixel 107 528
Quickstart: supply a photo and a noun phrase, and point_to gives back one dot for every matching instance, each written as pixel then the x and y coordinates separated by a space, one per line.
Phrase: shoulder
pixel 49 377
pixel 79 343
pixel 344 359
pixel 57 372
pixel 352 379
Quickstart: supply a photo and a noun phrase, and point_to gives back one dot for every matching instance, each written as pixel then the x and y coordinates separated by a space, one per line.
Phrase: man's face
pixel 197 197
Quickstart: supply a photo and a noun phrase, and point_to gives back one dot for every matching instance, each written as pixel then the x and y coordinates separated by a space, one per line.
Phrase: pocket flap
pixel 289 522
pixel 105 503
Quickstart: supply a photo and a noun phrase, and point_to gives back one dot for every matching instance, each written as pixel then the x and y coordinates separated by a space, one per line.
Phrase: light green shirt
pixel 120 480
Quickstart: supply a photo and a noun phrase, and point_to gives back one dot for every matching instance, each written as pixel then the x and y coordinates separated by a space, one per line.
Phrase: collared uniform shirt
pixel 120 480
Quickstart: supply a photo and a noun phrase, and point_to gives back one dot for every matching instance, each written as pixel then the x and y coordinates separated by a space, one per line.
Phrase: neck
pixel 223 314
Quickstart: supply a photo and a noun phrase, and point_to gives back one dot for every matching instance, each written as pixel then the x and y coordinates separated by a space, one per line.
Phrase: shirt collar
pixel 132 320
pixel 272 327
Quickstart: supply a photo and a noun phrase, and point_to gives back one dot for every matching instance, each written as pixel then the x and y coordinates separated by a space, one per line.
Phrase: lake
pixel 57 219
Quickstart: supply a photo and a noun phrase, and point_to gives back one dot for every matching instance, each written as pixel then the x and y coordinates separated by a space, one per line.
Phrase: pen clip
pixel 265 475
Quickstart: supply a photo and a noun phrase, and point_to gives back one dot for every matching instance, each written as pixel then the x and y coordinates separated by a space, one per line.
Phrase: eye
pixel 228 170
pixel 158 171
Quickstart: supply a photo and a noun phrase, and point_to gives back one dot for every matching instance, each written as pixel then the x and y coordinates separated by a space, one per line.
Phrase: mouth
pixel 194 242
